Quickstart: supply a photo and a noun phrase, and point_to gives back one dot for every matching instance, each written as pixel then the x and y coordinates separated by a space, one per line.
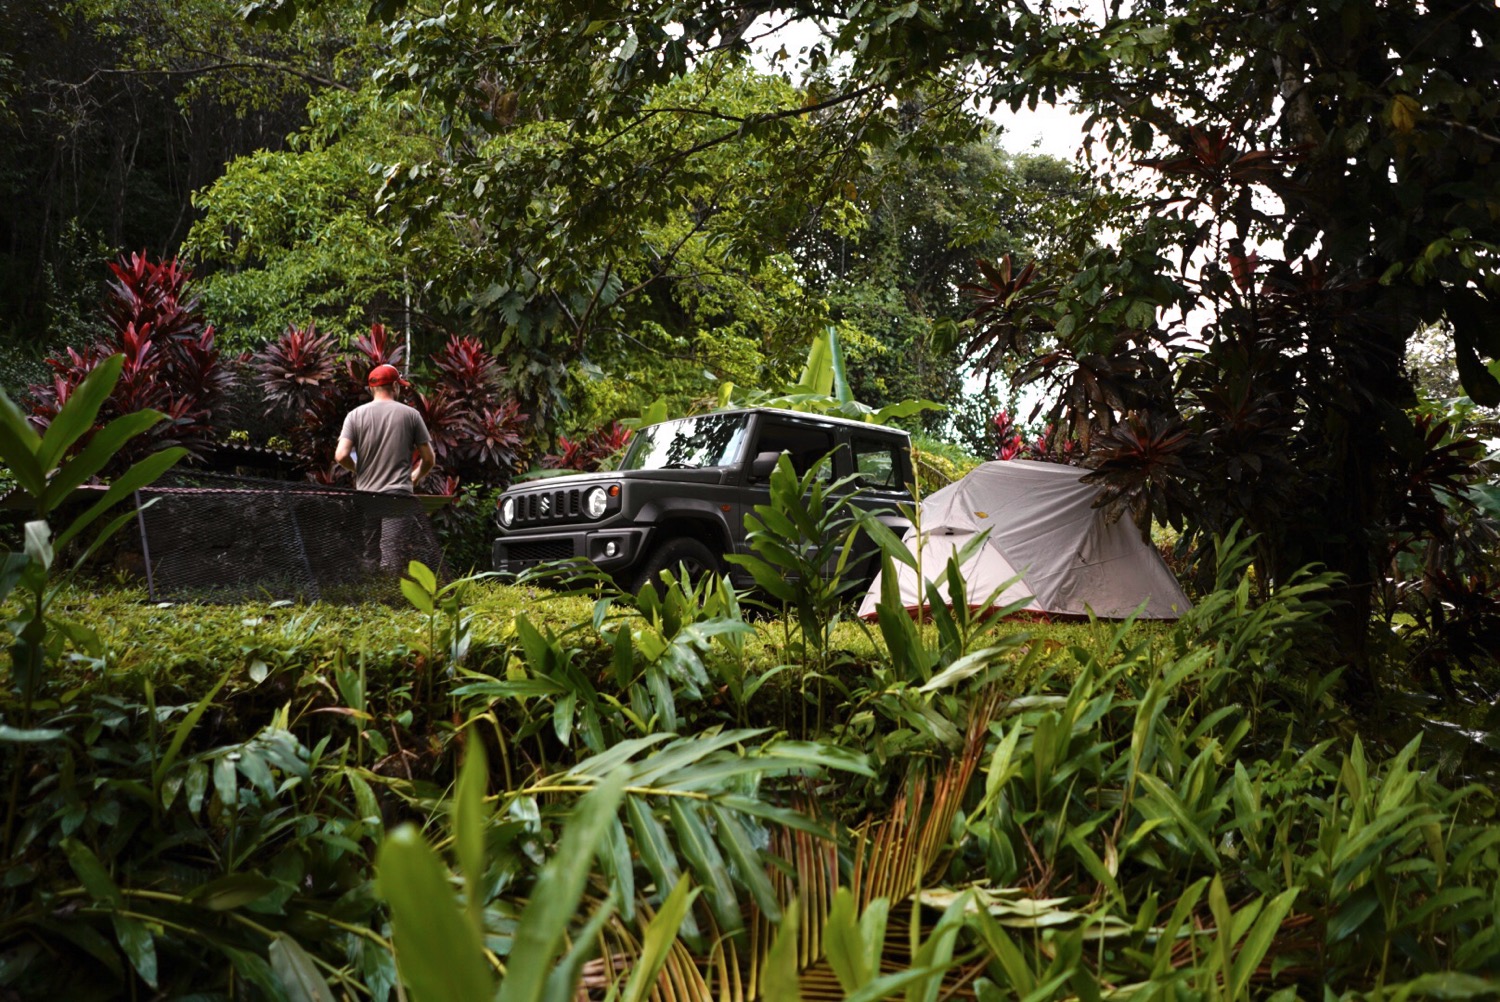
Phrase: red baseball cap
pixel 385 375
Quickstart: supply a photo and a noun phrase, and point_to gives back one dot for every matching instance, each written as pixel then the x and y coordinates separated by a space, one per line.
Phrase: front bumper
pixel 609 549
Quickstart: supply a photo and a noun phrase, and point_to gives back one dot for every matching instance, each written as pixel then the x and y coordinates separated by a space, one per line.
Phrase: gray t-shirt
pixel 385 433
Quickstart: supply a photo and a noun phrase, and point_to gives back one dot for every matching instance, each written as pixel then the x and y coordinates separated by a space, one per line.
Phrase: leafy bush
pixel 588 454
pixel 171 360
pixel 310 385
pixel 215 797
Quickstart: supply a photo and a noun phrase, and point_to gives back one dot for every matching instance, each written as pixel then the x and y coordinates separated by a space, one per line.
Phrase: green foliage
pixel 171 359
pixel 802 543
pixel 84 179
pixel 1081 811
pixel 293 237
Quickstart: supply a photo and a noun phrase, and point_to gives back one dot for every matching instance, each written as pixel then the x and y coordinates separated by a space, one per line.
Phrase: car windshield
pixel 688 443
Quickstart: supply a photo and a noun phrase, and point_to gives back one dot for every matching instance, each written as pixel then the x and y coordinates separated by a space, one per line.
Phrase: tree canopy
pixel 1316 178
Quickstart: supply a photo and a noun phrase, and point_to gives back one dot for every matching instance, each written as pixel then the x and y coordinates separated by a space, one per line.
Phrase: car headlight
pixel 507 511
pixel 595 501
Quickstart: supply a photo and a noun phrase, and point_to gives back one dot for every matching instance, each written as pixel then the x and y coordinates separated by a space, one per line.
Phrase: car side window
pixel 875 462
pixel 809 447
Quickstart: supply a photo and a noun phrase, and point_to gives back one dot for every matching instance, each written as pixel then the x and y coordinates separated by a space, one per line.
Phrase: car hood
pixel 711 475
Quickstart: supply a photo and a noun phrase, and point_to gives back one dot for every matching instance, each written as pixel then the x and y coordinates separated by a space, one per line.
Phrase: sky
pixel 1048 129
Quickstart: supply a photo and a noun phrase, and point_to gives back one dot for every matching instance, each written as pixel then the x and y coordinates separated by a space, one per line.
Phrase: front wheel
pixel 694 558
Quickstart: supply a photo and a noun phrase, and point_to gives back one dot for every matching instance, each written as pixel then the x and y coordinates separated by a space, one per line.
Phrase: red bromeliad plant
pixel 297 369
pixel 467 371
pixel 1048 447
pixel 306 384
pixel 172 361
pixel 495 436
pixel 474 433
pixel 586 455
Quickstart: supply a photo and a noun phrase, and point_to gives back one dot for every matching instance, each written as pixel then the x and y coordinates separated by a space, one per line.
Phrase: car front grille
pixel 543 507
pixel 539 551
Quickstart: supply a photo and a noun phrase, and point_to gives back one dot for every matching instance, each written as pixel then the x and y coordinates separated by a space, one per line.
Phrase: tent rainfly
pixel 1046 539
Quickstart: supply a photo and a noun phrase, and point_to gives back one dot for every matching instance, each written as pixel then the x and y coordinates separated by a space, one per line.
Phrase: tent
pixel 1045 533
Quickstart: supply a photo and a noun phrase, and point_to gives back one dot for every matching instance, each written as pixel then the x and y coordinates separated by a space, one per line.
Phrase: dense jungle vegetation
pixel 1256 314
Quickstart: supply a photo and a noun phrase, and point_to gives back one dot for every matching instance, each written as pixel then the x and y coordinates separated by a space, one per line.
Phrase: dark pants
pixel 392 537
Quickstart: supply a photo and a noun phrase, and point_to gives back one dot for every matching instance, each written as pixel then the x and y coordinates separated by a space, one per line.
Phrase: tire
pixel 685 552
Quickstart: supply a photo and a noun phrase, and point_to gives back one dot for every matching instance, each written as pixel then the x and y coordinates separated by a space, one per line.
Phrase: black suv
pixel 683 490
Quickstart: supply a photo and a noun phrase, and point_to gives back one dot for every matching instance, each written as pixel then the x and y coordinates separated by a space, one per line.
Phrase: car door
pixel 881 467
pixel 808 443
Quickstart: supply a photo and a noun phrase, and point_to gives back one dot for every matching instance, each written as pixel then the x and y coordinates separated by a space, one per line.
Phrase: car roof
pixel 812 417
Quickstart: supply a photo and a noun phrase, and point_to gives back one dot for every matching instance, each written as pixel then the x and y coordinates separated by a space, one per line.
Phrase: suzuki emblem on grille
pixel 545 504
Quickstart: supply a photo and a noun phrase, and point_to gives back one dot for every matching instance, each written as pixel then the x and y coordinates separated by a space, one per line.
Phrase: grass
pixel 187 647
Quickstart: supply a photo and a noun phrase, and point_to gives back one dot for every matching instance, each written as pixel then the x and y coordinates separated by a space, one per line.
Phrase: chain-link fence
pixel 221 538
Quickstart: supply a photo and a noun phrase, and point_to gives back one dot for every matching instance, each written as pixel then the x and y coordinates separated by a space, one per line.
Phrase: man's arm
pixel 341 455
pixel 425 460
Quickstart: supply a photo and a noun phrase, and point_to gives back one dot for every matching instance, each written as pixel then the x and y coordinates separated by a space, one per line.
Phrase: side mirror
pixel 762 465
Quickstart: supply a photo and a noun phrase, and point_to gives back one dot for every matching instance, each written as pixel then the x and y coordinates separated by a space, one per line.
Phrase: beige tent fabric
pixel 1043 527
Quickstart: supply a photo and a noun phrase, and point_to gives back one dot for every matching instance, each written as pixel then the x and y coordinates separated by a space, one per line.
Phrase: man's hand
pixel 426 458
pixel 343 455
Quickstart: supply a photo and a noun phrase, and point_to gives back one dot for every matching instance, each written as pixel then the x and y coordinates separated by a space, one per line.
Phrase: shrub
pixel 172 361
pixel 588 454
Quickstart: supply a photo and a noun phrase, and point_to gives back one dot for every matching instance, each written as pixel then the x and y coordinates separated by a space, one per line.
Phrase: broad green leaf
pixel 754 807
pixel 39 543
pixel 439 951
pixel 936 952
pixel 652 844
pixel 297 973
pixel 19 445
pixel 888 985
pixel 469 818
pixel 779 976
pixel 100 450
pixel 818 755
pixel 555 896
pixel 904 409
pixel 747 863
pixel 683 753
pixel 139 945
pixel 1018 972
pixel 419 597
pixel 964 668
pixel 618 754
pixel 77 415
pixel 254 969
pixel 1172 805
pixel 563 981
pixel 9 733
pixel 703 855
pixel 817 374
pixel 140 475
pixel 95 879
pixel 12 568
pixel 422 575
pixel 656 944
pixel 619 865
pixel 842 943
pixel 1352 915
pixel 227 893
pixel 841 390
pixel 1253 950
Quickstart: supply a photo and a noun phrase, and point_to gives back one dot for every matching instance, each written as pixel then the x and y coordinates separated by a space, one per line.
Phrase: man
pixel 376 445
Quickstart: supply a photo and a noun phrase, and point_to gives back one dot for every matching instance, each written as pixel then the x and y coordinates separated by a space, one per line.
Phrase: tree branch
pixel 225 67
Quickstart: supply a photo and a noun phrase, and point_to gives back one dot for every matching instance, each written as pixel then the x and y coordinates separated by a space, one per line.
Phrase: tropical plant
pixel 48 479
pixel 590 453
pixel 171 360
pixel 804 564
